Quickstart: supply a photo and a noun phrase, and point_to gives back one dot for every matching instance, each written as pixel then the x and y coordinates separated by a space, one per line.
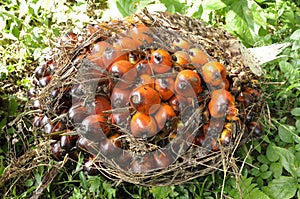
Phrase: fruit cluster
pixel 138 100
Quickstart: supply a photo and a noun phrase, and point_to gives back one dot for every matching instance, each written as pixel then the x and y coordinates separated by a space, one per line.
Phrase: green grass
pixel 269 168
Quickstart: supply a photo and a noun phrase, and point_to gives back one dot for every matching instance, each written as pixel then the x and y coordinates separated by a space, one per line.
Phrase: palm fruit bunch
pixel 153 99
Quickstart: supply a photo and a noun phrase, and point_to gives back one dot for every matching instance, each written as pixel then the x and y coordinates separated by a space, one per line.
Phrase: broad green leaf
pixel 245 18
pixel 288 161
pixel 284 134
pixel 161 192
pixel 266 175
pixel 298 125
pixel 213 4
pixel 283 187
pixel 258 194
pixel 174 6
pixel 263 159
pixel 276 168
pixel 271 154
pixel 296 111
pixel 286 67
pixel 125 7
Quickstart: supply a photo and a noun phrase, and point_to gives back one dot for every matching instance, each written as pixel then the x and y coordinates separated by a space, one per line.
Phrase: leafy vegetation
pixel 268 168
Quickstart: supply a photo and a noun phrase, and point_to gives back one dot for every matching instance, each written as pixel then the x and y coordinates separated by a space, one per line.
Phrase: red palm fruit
pixel 134 57
pixel 83 143
pixel 45 81
pixel 120 98
pixel 201 135
pixel 188 83
pixel 227 133
pixel 126 44
pixel 225 137
pixel 214 145
pixel 123 73
pixel 121 119
pixel 37 120
pixel 100 105
pixel 56 151
pixel 115 140
pixel 143 67
pixel 165 118
pixel 77 113
pixel 227 84
pixel 180 43
pixel 145 79
pixel 255 128
pixel 100 47
pixel 69 38
pixel 162 159
pixel 143 125
pixel 165 87
pixel 248 96
pixel 31 93
pixel 124 160
pixel 95 127
pixel 214 74
pixel 198 57
pixel 68 141
pixel 108 149
pixel 145 164
pixel 145 99
pixel 141 33
pixel 112 55
pixel 42 71
pixel 161 61
pixel 181 59
pixel 174 103
pixel 91 166
pixel 221 103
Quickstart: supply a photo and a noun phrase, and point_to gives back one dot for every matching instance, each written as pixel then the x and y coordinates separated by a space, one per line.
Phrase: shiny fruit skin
pixel 165 118
pixel 100 47
pixel 162 159
pixel 56 151
pixel 214 74
pixel 95 127
pixel 121 119
pixel 165 87
pixel 188 83
pixel 68 141
pixel 77 113
pixel 115 140
pixel 161 61
pixel 221 104
pixel 181 58
pixel 145 99
pixel 143 125
pixel 255 128
pixel 42 71
pixel 126 44
pixel 180 43
pixel 119 68
pixel 112 55
pixel 143 67
pixel 144 80
pixel 120 98
pixel 141 33
pixel 90 166
pixel 43 82
pixel 198 57
pixel 69 38
pixel 98 106
pixel 143 165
